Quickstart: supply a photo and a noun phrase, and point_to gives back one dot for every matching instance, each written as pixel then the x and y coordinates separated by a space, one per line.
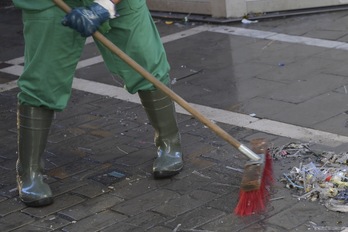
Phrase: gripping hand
pixel 86 20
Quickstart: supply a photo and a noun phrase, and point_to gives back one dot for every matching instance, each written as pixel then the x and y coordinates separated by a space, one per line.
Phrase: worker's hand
pixel 86 20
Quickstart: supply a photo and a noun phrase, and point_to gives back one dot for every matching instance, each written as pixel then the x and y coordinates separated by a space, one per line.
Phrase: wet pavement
pixel 281 79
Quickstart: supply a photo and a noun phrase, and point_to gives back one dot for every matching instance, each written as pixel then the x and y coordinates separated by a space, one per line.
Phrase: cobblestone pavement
pixel 291 73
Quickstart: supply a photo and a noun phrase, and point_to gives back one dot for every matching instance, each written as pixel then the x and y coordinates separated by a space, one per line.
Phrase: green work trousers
pixel 52 52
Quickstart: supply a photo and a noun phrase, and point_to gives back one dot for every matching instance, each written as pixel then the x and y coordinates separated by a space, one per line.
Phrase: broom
pixel 257 172
pixel 254 196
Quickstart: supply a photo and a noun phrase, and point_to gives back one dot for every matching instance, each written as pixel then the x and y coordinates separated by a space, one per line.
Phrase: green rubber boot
pixel 33 124
pixel 161 113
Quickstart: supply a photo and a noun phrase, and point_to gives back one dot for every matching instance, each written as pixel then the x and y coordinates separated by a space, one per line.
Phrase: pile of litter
pixel 323 178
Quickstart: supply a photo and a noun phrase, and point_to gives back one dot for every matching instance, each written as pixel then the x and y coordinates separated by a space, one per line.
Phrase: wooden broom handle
pixel 159 85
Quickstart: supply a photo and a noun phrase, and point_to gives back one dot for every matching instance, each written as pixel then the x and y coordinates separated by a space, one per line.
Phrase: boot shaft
pixel 161 113
pixel 33 124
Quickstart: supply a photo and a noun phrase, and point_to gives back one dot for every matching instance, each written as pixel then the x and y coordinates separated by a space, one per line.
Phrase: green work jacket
pixel 33 4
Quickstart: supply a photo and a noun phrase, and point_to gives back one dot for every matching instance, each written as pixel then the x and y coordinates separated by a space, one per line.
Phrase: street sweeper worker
pixel 52 51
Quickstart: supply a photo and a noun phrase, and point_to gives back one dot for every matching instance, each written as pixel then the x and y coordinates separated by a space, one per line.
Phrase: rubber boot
pixel 161 113
pixel 33 124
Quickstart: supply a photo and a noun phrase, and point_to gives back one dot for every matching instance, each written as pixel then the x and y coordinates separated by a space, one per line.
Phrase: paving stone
pixel 262 107
pixel 59 155
pixel 194 165
pixel 293 216
pixel 9 190
pixel 79 98
pixel 259 135
pixel 250 53
pixel 284 200
pixel 236 132
pixel 194 145
pixel 124 126
pixel 113 108
pixel 306 115
pixel 225 155
pixel 261 227
pixel 337 124
pixel 9 165
pixel 339 149
pixel 60 203
pixel 136 186
pixel 51 222
pixel 74 111
pixel 2 199
pixel 118 151
pixel 124 227
pixel 146 202
pixel 260 88
pixel 75 121
pixel 182 204
pixel 109 177
pixel 10 206
pixel 65 134
pixel 331 55
pixel 190 183
pixel 8 150
pixel 336 69
pixel 195 218
pixel 225 203
pixel 140 142
pixel 137 158
pixel 73 142
pixel 294 72
pixel 114 126
pixel 101 174
pixel 140 137
pixel 98 70
pixel 69 150
pixel 101 133
pixel 193 127
pixel 72 168
pixel 290 53
pixel 91 207
pixel 90 50
pixel 91 189
pixel 302 91
pixel 95 222
pixel 32 228
pixel 224 175
pixel 326 218
pixel 7 122
pixel 108 149
pixel 146 220
pixel 107 143
pixel 9 134
pixel 231 222
pixel 220 188
pixel 160 229
pixel 65 186
pixel 280 141
pixel 14 220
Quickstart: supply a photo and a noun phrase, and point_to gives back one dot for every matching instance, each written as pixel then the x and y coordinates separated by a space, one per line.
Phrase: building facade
pixel 237 8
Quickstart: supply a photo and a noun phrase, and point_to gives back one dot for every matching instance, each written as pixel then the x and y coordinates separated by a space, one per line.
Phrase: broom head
pixel 255 186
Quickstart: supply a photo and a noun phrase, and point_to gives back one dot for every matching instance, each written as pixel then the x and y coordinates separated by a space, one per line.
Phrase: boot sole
pixel 39 203
pixel 165 174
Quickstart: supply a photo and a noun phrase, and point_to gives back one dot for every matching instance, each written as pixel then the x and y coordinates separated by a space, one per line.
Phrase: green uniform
pixel 52 51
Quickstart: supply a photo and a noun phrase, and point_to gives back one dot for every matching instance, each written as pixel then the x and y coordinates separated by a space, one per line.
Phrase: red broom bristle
pixel 251 202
